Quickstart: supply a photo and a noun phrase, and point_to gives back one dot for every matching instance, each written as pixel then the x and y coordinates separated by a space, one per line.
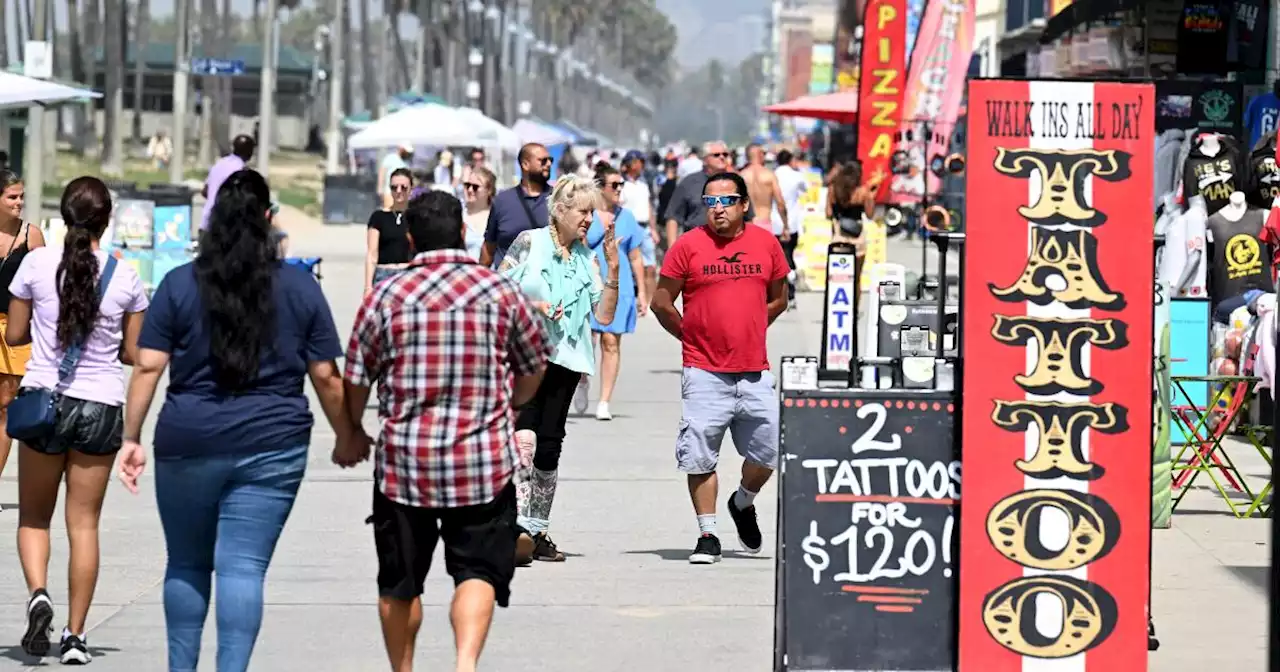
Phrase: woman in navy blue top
pixel 239 331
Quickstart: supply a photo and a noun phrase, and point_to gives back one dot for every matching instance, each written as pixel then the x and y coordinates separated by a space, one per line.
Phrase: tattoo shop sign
pixel 1056 436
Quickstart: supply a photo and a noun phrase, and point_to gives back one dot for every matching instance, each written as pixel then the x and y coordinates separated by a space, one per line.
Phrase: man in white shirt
pixel 637 198
pixel 793 185
pixel 690 165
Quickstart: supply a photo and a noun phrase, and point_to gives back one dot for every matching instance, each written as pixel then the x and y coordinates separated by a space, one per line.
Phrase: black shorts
pixel 87 427
pixel 479 543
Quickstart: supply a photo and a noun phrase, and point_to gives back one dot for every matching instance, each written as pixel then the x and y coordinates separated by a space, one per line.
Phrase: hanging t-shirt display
pixel 1238 256
pixel 1213 176
pixel 1202 38
pixel 1260 116
pixel 1264 175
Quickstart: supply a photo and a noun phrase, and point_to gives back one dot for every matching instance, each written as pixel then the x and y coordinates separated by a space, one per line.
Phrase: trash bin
pixel 348 199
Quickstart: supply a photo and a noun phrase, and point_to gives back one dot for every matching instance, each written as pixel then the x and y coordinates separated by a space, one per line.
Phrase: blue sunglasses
pixel 724 201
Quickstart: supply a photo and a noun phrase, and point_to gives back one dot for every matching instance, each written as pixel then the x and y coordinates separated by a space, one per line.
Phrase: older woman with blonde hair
pixel 562 278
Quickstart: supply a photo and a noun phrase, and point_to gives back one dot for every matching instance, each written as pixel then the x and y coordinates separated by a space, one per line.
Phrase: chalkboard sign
pixel 867 564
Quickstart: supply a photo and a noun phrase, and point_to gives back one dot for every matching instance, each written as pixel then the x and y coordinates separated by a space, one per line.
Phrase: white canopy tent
pixel 532 131
pixel 19 91
pixel 428 125
pixel 505 139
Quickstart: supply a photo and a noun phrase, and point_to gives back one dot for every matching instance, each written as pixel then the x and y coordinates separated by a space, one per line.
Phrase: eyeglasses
pixel 400 187
pixel 612 185
pixel 470 186
pixel 723 201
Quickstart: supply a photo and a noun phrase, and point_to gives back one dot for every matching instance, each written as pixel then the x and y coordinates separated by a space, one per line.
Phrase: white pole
pixel 181 86
pixel 336 66
pixel 267 102
pixel 34 174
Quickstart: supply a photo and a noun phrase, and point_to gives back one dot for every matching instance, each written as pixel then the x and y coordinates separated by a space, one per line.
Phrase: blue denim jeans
pixel 222 514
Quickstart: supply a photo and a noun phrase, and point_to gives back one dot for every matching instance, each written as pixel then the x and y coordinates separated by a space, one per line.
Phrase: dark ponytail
pixel 86 211
pixel 235 271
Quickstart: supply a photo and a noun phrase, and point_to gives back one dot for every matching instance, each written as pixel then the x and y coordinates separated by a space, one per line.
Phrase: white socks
pixel 707 524
pixel 744 498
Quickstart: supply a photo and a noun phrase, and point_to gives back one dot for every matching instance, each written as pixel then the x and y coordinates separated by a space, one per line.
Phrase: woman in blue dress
pixel 629 235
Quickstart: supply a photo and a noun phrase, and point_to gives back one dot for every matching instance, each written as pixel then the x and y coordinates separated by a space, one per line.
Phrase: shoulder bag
pixel 533 221
pixel 33 414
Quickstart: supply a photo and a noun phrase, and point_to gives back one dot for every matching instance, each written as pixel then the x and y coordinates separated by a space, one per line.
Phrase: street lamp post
pixel 336 67
pixel 475 54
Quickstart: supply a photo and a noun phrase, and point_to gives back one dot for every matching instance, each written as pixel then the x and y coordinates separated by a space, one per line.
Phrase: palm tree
pixel 368 80
pixel 141 41
pixel 4 34
pixel 112 138
pixel 208 83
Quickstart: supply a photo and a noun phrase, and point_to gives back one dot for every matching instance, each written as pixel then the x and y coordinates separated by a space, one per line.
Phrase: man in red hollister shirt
pixel 733 278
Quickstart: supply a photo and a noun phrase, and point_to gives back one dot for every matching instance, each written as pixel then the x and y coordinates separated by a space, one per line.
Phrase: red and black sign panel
pixel 1054 538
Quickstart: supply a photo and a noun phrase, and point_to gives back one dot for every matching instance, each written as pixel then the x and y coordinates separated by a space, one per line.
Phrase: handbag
pixel 33 414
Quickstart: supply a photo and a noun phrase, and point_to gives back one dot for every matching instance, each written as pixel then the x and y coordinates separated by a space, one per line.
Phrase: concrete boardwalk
pixel 626 599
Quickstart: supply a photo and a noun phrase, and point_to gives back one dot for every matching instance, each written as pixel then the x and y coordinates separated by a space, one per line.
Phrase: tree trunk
pixel 424 61
pixel 256 30
pixel 368 81
pixel 4 35
pixel 208 83
pixel 91 35
pixel 349 64
pixel 227 40
pixel 28 22
pixel 113 93
pixel 24 24
pixel 80 124
pixel 142 38
pixel 403 79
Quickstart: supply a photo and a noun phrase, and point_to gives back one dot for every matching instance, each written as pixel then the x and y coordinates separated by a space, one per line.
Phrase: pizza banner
pixel 1058 308
pixel 881 87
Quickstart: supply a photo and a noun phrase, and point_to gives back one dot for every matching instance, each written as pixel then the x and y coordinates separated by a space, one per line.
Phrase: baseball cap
pixel 632 156
pixel 406 148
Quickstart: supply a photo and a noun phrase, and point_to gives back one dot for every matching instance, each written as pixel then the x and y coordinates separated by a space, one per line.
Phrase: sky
pixel 726 29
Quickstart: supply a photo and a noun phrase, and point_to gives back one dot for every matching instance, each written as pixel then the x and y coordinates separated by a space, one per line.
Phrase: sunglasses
pixel 470 186
pixel 720 155
pixel 400 187
pixel 723 201
pixel 612 185
pixel 544 160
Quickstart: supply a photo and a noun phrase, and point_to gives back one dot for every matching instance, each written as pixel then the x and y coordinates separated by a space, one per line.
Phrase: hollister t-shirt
pixel 726 296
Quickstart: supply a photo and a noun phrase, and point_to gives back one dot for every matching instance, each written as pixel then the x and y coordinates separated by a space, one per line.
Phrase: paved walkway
pixel 626 599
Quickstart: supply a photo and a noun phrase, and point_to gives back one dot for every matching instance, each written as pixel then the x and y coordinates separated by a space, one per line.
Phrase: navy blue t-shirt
pixel 198 418
pixel 508 218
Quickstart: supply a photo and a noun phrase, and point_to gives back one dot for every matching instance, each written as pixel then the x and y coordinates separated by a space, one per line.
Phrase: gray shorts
pixel 648 252
pixel 746 404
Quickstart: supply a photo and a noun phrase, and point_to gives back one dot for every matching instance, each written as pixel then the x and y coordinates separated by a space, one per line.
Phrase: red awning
pixel 840 107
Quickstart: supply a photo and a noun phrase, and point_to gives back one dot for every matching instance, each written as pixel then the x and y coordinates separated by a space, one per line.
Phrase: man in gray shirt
pixel 686 210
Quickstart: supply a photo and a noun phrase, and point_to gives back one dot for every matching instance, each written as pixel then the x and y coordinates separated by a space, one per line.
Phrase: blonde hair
pixel 572 192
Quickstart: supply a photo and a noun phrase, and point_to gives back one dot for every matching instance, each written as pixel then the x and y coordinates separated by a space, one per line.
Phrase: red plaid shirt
pixel 443 339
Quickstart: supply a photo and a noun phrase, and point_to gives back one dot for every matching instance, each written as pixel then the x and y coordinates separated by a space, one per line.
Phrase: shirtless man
pixel 763 188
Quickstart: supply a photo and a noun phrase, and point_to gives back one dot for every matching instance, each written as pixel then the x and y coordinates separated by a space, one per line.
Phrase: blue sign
pixel 216 67
pixel 1189 327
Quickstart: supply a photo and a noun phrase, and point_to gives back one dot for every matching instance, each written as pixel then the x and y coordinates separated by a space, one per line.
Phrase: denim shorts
pixel 744 404
pixel 381 273
pixel 648 253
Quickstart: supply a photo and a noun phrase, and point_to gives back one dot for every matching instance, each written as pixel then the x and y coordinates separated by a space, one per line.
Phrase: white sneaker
pixel 580 396
pixel 602 411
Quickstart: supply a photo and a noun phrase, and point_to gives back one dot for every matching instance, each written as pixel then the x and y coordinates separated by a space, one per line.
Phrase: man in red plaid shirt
pixel 443 340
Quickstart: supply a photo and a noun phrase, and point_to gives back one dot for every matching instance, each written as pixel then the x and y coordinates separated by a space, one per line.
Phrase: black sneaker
pixel 748 526
pixel 35 642
pixel 75 651
pixel 545 550
pixel 707 552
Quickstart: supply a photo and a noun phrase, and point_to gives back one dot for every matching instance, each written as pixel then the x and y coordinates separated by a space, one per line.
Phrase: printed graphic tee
pixel 1238 256
pixel 1260 116
pixel 726 289
pixel 1264 175
pixel 1214 177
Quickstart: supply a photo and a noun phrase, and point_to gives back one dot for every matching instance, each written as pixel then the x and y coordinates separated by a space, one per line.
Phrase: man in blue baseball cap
pixel 638 198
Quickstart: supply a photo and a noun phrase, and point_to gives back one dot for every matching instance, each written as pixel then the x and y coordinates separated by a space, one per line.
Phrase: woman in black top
pixel 388 239
pixel 16 239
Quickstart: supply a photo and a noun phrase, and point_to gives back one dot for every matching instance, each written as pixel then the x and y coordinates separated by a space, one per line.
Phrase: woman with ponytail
pixel 72 299
pixel 240 331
